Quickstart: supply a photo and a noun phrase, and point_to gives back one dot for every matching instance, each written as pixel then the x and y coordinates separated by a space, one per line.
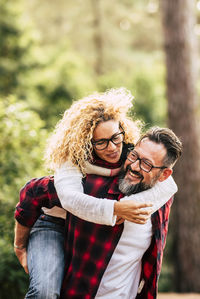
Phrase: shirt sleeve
pixel 158 195
pixel 68 184
pixel 37 193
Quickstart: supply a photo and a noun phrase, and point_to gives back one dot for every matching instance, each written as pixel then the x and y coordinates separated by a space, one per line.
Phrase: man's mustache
pixel 138 174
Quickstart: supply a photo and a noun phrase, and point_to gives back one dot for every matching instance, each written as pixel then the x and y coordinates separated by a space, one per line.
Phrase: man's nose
pixel 136 165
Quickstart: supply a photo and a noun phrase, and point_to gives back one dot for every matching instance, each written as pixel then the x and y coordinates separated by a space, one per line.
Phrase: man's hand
pixel 132 211
pixel 22 257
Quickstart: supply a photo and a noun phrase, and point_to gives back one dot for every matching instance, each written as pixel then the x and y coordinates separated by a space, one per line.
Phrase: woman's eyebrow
pixel 106 138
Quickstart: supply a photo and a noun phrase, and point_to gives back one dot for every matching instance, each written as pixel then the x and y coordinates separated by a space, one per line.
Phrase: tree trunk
pixel 178 18
pixel 97 36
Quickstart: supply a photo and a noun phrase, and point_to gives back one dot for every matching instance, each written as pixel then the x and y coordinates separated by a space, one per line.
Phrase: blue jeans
pixel 45 259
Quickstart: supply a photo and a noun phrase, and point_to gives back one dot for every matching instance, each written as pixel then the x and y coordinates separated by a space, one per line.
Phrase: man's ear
pixel 165 174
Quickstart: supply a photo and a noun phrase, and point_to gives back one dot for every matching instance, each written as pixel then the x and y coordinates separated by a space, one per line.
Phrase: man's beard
pixel 127 188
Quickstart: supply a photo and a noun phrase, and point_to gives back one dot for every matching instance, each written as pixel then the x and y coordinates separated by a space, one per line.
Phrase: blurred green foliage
pixel 146 82
pixel 148 89
pixel 47 58
pixel 21 146
pixel 15 47
pixel 60 77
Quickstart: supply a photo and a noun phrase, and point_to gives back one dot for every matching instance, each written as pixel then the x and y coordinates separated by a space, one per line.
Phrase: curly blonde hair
pixel 71 139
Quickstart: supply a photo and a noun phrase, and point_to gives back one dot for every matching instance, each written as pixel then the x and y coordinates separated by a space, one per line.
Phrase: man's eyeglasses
pixel 102 144
pixel 145 165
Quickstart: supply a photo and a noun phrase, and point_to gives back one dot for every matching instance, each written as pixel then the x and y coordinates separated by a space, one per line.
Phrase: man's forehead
pixel 150 150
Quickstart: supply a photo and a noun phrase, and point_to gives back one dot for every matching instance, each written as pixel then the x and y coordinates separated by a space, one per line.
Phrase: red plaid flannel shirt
pixel 93 244
pixel 152 258
pixel 37 193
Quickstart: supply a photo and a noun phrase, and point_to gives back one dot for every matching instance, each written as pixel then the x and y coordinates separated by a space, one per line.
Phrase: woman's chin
pixel 112 159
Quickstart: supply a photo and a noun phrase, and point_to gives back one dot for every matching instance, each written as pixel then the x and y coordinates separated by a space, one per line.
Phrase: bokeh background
pixel 54 52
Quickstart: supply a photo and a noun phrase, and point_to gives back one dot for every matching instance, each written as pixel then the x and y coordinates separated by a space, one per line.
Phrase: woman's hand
pixel 20 243
pixel 22 257
pixel 119 220
pixel 132 211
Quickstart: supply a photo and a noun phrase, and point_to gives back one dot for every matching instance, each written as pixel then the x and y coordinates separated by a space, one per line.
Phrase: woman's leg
pixel 45 260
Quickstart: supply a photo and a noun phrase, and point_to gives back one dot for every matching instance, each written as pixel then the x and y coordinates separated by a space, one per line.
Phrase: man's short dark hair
pixel 170 141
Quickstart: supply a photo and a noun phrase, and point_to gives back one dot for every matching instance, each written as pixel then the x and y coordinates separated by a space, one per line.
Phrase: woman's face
pixel 107 130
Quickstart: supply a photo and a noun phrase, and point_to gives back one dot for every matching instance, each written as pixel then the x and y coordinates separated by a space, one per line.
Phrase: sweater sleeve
pixel 37 193
pixel 68 184
pixel 158 195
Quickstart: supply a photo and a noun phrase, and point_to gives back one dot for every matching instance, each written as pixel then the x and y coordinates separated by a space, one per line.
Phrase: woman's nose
pixel 111 145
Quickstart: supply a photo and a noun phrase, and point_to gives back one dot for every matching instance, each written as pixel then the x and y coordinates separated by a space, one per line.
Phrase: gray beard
pixel 127 188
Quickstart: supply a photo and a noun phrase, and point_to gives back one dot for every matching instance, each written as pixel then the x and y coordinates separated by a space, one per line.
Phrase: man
pixel 99 252
pixel 150 161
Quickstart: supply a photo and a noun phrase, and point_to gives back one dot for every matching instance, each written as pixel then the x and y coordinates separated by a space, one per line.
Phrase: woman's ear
pixel 165 174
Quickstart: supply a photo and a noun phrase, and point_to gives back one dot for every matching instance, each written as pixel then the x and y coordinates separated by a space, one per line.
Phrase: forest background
pixel 54 52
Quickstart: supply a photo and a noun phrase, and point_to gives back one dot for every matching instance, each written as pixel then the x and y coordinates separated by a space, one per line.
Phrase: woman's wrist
pixel 20 247
pixel 115 171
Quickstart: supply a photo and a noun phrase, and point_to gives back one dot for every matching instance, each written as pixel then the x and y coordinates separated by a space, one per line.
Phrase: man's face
pixel 133 179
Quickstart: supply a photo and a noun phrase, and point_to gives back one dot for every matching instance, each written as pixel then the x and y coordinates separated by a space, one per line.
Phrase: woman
pixel 94 129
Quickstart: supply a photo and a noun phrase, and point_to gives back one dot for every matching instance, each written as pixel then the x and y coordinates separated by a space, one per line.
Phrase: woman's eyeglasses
pixel 102 144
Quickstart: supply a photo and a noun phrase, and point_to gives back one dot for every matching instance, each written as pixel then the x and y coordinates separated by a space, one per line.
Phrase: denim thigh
pixel 45 260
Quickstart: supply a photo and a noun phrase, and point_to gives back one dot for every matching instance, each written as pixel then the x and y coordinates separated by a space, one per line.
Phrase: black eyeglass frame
pixel 107 140
pixel 141 159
